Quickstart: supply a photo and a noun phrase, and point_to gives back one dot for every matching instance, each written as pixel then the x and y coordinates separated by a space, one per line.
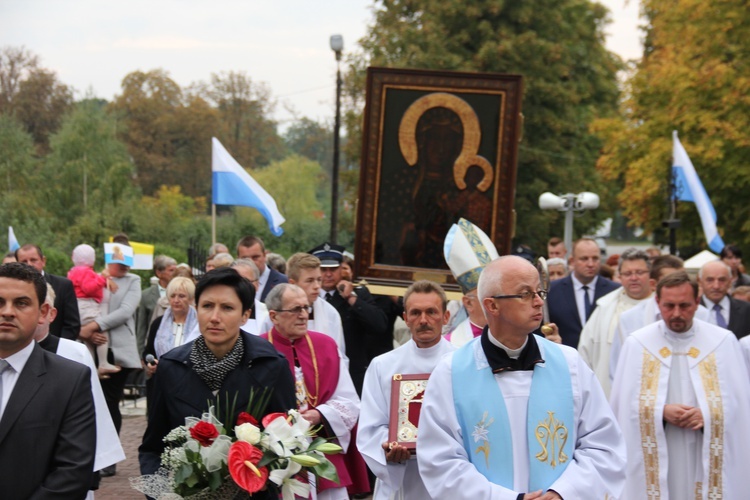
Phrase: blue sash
pixel 483 417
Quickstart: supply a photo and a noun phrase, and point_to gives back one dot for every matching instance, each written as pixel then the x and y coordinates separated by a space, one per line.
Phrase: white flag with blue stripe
pixel 688 187
pixel 12 241
pixel 232 185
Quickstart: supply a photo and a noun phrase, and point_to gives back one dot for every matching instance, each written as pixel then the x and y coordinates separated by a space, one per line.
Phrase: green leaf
pixel 192 480
pixel 215 479
pixel 182 473
pixel 326 470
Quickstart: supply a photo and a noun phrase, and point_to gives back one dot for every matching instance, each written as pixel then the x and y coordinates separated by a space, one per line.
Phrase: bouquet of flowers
pixel 204 459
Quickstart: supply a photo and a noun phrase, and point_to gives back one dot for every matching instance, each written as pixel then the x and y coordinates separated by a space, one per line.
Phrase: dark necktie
pixel 3 366
pixel 720 321
pixel 329 297
pixel 586 302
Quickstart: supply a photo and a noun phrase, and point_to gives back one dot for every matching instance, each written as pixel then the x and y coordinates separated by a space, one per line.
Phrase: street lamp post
pixel 569 203
pixel 337 46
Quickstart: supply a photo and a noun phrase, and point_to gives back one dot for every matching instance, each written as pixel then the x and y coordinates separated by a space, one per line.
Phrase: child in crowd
pixel 89 288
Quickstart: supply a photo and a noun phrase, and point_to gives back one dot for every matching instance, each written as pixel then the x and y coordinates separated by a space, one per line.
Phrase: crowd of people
pixel 622 380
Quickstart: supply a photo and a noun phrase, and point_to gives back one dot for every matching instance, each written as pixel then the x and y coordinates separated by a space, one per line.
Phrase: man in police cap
pixel 364 322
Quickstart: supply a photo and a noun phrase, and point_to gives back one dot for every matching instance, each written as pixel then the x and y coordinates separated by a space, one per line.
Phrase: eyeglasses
pixel 296 310
pixel 638 273
pixel 524 296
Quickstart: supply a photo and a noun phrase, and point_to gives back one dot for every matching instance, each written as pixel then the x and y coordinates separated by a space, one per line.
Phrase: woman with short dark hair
pixel 221 364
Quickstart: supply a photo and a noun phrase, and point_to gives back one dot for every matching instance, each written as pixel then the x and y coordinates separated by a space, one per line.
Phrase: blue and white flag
pixel 12 241
pixel 688 187
pixel 232 185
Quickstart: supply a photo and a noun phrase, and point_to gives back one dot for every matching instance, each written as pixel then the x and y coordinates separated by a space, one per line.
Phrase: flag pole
pixel 213 223
pixel 672 222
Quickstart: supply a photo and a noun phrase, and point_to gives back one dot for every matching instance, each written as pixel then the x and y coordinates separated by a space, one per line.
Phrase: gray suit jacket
pixel 48 431
pixel 120 321
pixel 149 296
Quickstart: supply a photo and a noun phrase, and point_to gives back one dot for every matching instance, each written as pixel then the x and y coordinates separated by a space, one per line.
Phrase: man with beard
pixel 680 389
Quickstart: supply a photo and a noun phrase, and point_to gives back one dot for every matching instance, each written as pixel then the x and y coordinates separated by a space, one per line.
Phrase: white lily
pixel 284 439
pixel 278 476
pixel 293 487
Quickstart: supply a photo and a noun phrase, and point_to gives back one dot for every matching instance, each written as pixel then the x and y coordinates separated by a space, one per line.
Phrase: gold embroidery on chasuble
pixel 552 436
pixel 646 411
pixel 710 378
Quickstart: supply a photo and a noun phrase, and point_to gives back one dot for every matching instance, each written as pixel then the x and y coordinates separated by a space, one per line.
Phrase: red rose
pixel 204 433
pixel 246 418
pixel 271 417
pixel 243 461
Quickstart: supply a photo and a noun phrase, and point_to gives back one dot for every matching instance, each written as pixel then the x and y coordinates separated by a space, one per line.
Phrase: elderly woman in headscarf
pixel 222 364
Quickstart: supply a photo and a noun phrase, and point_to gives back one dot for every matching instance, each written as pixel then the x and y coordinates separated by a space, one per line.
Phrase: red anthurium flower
pixel 271 417
pixel 243 466
pixel 204 433
pixel 246 418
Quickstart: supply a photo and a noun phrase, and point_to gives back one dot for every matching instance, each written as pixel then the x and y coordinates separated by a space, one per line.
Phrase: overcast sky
pixel 93 44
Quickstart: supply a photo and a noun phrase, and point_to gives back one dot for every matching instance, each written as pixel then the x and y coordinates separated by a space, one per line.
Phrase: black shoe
pixel 108 471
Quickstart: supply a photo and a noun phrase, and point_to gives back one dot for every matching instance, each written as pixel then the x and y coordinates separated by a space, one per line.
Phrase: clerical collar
pixel 500 361
pixel 50 343
pixel 673 336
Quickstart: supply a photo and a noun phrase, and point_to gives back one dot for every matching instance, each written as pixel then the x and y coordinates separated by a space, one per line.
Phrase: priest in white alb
pixel 647 311
pixel 682 396
pixel 597 335
pixel 325 393
pixel 395 467
pixel 512 415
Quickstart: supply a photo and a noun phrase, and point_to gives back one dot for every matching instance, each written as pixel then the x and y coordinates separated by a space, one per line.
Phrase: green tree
pixel 569 80
pixel 694 78
pixel 312 140
pixel 148 110
pixel 32 94
pixel 167 216
pixel 17 174
pixel 245 109
pixel 88 178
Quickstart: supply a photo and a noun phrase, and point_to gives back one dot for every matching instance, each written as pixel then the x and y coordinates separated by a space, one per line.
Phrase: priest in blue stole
pixel 514 416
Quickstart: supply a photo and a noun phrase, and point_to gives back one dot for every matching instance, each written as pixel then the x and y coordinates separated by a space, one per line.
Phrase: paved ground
pixel 133 426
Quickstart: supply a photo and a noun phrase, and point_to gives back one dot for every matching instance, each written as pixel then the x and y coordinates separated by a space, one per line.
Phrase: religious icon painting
pixel 437 146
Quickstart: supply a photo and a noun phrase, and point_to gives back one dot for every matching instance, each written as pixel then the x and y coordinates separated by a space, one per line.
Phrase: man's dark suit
pixel 143 314
pixel 365 325
pixel 563 310
pixel 48 431
pixel 739 315
pixel 67 324
pixel 179 392
pixel 275 278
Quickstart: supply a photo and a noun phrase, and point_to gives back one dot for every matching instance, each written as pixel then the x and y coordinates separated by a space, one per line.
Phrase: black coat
pixel 275 278
pixel 179 392
pixel 67 324
pixel 365 325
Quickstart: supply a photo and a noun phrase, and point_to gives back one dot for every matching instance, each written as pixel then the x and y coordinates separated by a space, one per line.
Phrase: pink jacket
pixel 86 283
